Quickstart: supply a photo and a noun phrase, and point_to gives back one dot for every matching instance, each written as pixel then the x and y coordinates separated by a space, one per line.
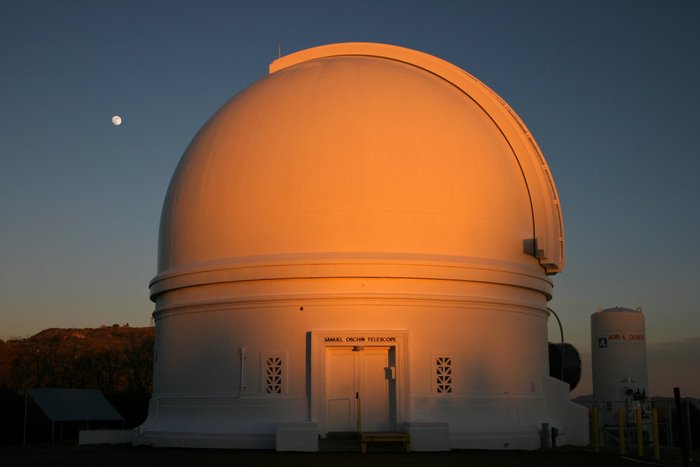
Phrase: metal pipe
pixel 621 431
pixel 243 353
pixel 563 350
pixel 655 431
pixel 545 440
pixel 685 446
pixel 640 436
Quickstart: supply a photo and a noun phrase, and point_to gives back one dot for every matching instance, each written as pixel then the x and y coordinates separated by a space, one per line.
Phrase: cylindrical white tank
pixel 619 354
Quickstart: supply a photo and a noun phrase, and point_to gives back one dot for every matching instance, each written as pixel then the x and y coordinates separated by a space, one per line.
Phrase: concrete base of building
pixel 107 436
pixel 429 436
pixel 302 436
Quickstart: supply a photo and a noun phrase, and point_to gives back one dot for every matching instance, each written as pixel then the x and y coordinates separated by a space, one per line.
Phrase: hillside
pixel 118 360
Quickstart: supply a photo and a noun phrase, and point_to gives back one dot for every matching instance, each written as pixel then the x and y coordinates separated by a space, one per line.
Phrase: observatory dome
pixel 360 153
pixel 358 242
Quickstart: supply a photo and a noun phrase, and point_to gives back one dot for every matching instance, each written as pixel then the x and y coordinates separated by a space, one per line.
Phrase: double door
pixel 360 389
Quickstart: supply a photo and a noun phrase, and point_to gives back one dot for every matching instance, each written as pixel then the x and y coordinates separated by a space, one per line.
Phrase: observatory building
pixel 360 241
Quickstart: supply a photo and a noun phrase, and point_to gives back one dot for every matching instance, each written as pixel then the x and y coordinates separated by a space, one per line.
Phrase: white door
pixel 360 389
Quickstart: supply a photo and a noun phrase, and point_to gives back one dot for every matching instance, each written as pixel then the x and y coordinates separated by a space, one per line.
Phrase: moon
pixel 116 120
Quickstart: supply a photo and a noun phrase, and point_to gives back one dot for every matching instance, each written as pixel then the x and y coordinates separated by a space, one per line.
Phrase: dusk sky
pixel 610 91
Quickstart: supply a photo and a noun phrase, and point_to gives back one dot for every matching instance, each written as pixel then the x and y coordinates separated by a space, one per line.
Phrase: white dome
pixel 360 153
pixel 359 241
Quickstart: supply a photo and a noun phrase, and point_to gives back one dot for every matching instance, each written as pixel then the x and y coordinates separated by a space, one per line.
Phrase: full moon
pixel 116 120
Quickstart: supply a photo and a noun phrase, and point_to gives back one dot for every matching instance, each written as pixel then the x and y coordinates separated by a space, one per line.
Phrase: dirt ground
pixel 128 456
